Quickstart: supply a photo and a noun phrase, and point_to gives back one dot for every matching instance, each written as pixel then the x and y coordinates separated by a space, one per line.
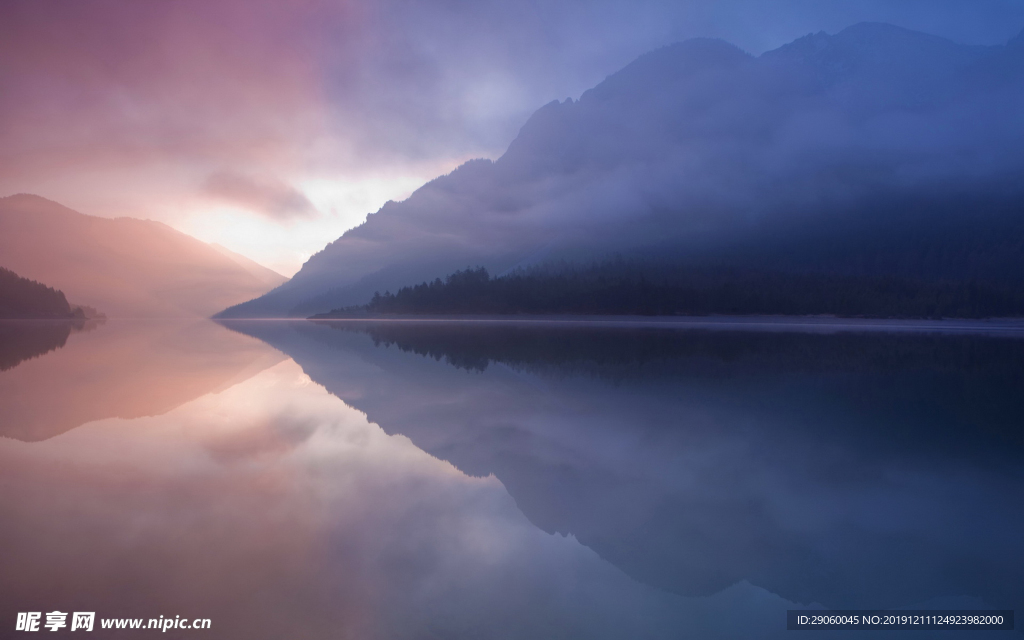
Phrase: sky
pixel 272 127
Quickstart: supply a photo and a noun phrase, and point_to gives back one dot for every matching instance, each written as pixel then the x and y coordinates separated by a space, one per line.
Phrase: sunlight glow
pixel 285 245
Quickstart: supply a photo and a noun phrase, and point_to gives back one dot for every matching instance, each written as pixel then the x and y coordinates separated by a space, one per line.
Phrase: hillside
pixel 21 298
pixel 124 267
pixel 629 289
pixel 877 151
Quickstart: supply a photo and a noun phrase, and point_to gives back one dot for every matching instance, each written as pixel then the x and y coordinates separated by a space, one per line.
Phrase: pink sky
pixel 211 117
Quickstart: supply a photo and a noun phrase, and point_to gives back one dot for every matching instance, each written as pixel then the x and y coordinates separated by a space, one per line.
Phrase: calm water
pixel 487 480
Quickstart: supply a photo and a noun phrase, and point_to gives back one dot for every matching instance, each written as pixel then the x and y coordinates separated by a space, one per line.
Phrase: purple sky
pixel 271 127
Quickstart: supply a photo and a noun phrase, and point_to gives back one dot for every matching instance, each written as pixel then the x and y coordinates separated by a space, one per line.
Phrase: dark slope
pixel 21 298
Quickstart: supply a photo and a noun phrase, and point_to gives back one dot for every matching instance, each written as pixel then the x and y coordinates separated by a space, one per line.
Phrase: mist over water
pixel 390 479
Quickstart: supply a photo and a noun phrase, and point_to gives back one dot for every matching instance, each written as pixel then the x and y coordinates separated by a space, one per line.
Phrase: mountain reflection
pixel 853 470
pixel 645 484
pixel 278 512
pixel 22 340
pixel 120 369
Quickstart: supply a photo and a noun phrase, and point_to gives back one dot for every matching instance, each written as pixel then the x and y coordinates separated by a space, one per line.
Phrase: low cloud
pixel 267 196
pixel 121 108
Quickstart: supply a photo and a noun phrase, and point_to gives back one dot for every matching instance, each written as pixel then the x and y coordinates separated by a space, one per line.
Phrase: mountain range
pixel 874 151
pixel 124 267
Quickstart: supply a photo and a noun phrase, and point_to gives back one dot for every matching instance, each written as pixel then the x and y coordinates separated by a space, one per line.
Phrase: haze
pixel 271 128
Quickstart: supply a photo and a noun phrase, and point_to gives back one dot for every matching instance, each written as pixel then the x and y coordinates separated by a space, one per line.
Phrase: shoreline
pixel 767 323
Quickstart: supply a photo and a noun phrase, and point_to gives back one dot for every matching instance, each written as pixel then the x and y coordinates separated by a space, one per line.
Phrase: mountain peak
pixel 688 56
pixel 23 197
pixel 877 51
pixel 125 266
pixel 690 150
pixel 29 201
pixel 878 30
pixel 876 40
pixel 671 64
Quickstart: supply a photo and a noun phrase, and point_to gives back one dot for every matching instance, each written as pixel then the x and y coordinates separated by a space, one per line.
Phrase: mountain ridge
pixel 124 266
pixel 701 151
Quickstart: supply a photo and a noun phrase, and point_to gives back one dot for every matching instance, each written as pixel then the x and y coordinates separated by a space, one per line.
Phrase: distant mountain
pixel 123 266
pixel 21 298
pixel 874 151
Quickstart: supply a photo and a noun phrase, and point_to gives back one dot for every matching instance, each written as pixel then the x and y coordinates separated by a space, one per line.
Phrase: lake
pixel 500 479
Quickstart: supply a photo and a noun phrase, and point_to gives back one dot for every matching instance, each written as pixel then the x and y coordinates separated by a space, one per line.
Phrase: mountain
pixel 22 298
pixel 874 151
pixel 123 266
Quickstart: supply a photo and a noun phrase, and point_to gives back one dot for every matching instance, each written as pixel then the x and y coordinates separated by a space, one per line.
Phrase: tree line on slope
pixel 21 298
pixel 634 288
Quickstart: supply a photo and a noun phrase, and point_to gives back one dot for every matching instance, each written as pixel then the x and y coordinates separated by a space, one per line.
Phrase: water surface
pixel 509 480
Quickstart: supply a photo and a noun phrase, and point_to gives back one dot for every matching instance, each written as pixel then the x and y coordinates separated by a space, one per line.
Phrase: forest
pixel 622 287
pixel 21 298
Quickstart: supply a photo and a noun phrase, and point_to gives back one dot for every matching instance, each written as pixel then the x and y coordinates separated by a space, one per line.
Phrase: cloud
pixel 699 148
pixel 267 196
pixel 121 108
pixel 319 85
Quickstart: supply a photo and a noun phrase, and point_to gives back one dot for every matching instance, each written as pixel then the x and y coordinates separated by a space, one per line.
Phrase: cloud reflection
pixel 278 511
pixel 824 468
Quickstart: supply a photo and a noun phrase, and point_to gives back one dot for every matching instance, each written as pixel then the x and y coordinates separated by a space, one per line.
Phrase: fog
pixel 126 109
pixel 698 149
